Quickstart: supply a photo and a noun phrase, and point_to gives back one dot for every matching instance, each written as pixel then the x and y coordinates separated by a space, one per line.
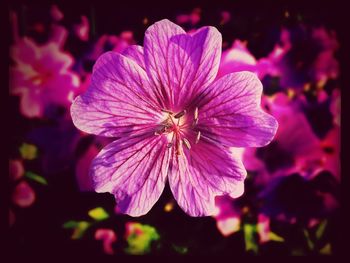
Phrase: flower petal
pixel 134 170
pixel 156 44
pixel 119 100
pixel 230 112
pixel 135 52
pixel 193 62
pixel 203 172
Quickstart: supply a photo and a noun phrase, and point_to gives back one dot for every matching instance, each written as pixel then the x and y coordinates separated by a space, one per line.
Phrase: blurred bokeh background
pixel 291 201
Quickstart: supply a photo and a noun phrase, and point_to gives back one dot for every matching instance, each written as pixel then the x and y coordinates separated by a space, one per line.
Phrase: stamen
pixel 196 113
pixel 180 114
pixel 198 136
pixel 187 143
pixel 170 144
pixel 167 111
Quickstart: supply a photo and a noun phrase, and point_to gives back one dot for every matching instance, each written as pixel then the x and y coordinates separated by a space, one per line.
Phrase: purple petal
pixel 134 170
pixel 156 44
pixel 119 100
pixel 193 62
pixel 180 64
pixel 230 112
pixel 135 52
pixel 203 172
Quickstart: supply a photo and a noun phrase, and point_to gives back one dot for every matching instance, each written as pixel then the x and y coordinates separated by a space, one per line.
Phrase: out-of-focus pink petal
pixel 56 13
pixel 82 29
pixel 31 105
pixel 134 170
pixel 156 45
pixel 59 35
pixel 135 52
pixel 16 169
pixel 230 112
pixel 193 18
pixel 228 225
pixel 25 51
pixel 335 106
pixel 263 227
pixel 331 155
pixel 200 174
pixel 119 101
pixel 108 237
pixel 23 195
pixel 193 62
pixel 237 58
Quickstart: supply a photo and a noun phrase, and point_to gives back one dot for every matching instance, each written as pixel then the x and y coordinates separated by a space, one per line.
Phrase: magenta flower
pixel 238 58
pixel 173 121
pixel 42 76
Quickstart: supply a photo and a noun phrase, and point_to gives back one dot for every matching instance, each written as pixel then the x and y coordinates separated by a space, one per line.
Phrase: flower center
pixel 180 129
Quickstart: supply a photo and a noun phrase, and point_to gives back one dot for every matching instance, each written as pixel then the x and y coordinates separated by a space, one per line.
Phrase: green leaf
pixel 274 237
pixel 28 151
pixel 320 229
pixel 310 244
pixel 251 243
pixel 326 250
pixel 98 214
pixel 35 177
pixel 70 224
pixel 140 238
pixel 80 229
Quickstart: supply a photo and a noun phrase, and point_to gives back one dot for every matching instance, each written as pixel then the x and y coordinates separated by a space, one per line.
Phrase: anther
pixel 187 143
pixel 198 137
pixel 196 113
pixel 180 114
pixel 170 144
pixel 167 111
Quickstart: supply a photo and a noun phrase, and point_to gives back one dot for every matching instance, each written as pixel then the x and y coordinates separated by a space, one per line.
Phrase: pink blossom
pixel 174 121
pixel 325 66
pixel 225 17
pixel 108 237
pixel 297 147
pixel 193 18
pixel 23 195
pixel 112 43
pixel 82 29
pixel 56 13
pixel 16 169
pixel 238 58
pixel 331 154
pixel 41 76
pixel 227 216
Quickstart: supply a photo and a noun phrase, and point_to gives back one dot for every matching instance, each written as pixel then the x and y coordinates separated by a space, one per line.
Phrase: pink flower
pixel 82 29
pixel 228 217
pixel 193 18
pixel 173 121
pixel 238 58
pixel 23 195
pixel 108 237
pixel 297 147
pixel 41 76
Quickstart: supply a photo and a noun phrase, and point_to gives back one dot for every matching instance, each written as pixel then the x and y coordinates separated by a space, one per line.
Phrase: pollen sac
pixel 187 143
pixel 180 114
pixel 198 137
